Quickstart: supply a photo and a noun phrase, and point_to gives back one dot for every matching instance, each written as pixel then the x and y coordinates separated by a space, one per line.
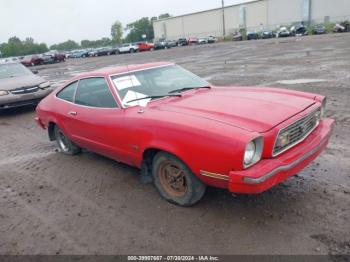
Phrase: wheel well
pixel 51 131
pixel 146 165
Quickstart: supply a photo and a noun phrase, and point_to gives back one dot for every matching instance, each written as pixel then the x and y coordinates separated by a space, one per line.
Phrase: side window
pixel 67 93
pixel 94 92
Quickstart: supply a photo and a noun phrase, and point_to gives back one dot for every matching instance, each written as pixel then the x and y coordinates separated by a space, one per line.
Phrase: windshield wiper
pixel 187 88
pixel 151 97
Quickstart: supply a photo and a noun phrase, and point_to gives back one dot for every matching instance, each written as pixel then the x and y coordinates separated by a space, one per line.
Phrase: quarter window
pixel 94 92
pixel 68 92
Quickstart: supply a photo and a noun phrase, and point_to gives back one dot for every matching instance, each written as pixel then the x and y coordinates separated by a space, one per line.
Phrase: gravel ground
pixel 87 204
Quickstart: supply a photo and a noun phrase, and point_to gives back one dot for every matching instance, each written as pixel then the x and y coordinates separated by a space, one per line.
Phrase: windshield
pixel 159 81
pixel 12 70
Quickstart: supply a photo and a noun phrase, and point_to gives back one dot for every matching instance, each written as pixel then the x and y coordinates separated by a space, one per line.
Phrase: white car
pixel 283 32
pixel 128 48
pixel 203 40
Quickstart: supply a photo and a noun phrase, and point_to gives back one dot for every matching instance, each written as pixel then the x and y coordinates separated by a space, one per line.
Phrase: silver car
pixel 20 87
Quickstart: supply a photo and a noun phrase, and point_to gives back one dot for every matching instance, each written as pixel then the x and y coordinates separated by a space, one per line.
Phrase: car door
pixel 124 48
pixel 96 122
pixel 65 107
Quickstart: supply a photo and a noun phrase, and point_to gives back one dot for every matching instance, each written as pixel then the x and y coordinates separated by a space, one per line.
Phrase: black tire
pixel 189 189
pixel 65 145
pixel 132 50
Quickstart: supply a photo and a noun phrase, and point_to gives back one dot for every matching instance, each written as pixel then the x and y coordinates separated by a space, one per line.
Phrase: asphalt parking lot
pixel 87 204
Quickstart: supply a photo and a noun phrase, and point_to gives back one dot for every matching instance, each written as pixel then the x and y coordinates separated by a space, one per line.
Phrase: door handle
pixel 72 113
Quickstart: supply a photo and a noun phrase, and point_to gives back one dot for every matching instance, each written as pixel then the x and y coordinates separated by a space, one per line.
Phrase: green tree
pixel 66 46
pixel 105 41
pixel 86 44
pixel 16 47
pixel 138 28
pixel 117 32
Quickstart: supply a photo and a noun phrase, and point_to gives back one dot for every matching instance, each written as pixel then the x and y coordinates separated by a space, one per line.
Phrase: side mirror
pixel 35 72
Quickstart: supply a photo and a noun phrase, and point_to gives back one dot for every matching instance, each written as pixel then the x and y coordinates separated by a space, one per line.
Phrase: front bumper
pixel 269 172
pixel 13 101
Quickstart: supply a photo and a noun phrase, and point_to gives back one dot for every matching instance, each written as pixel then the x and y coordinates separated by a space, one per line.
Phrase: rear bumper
pixel 13 101
pixel 269 172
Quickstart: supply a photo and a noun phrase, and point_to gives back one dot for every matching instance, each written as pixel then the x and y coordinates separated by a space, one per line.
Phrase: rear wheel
pixel 65 145
pixel 132 50
pixel 175 181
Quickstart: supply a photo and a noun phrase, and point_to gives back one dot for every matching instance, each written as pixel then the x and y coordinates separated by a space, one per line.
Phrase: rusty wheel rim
pixel 172 179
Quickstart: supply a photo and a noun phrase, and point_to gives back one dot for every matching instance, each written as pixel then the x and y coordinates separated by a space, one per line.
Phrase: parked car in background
pixel 252 36
pixel 267 34
pixel 182 42
pixel 212 39
pixel 47 59
pixel 192 40
pixel 69 54
pixel 203 40
pixel 184 133
pixel 298 30
pixel 57 56
pixel 338 28
pixel 103 51
pixel 319 29
pixel 32 60
pixel 161 44
pixel 92 52
pixel 237 36
pixel 145 46
pixel 342 27
pixel 79 54
pixel 283 32
pixel 171 43
pixel 20 87
pixel 111 50
pixel 128 48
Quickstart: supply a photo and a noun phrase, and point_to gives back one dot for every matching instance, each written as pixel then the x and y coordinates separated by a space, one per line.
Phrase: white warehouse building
pixel 253 15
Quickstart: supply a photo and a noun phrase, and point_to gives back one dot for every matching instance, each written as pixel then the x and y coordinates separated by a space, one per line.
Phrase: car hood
pixel 252 109
pixel 20 81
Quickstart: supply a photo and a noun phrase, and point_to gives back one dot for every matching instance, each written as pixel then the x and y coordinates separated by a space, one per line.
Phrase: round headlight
pixel 253 152
pixel 249 153
pixel 3 93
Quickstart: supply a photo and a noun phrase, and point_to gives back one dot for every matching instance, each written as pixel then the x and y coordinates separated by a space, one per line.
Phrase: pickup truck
pixel 128 48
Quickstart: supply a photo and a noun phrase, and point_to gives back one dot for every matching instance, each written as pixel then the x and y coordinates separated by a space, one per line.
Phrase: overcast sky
pixel 53 21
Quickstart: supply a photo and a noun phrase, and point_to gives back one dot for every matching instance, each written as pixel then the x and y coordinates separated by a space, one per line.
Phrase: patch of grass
pixel 329 27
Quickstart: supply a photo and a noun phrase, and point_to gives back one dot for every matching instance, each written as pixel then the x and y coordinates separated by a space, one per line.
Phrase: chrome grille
pixel 296 132
pixel 25 90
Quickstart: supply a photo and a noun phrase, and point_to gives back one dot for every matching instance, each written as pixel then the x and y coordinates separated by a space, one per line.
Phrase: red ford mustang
pixel 184 133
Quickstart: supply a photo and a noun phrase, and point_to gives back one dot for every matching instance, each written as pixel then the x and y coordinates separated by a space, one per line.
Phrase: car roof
pixel 107 71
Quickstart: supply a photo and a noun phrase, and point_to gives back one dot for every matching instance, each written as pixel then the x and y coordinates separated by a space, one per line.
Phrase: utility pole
pixel 223 18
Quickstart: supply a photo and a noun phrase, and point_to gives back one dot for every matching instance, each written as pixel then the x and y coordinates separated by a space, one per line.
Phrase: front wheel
pixel 65 145
pixel 175 181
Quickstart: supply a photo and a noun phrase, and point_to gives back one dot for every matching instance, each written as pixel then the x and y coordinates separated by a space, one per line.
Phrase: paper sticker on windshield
pixel 131 95
pixel 126 82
